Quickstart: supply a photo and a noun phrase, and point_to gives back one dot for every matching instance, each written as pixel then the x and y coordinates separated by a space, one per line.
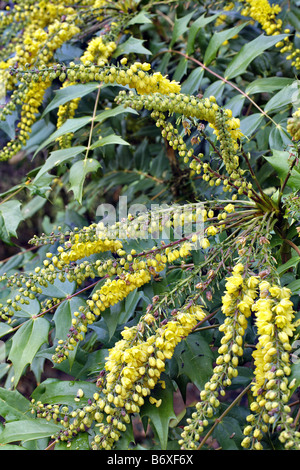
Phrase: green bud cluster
pixel 193 108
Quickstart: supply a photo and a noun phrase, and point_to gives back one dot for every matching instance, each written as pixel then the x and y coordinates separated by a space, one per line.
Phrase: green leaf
pixel 248 53
pixel 228 433
pixel 161 416
pixel 57 158
pixel 217 40
pixel 127 438
pixel 34 205
pixel 78 174
pixel 295 366
pixel 63 391
pixel 250 123
pixel 109 140
pixel 291 263
pixel 70 126
pixel 8 126
pixel 13 405
pixel 282 98
pixel 112 316
pixel 215 89
pixel 278 138
pixel 180 27
pixel 192 83
pixel 11 213
pixel 113 112
pixel 180 69
pixel 64 314
pixel 41 130
pixel 60 289
pixel 29 310
pixel 295 287
pixel 79 442
pixel 63 322
pixel 64 95
pixel 121 312
pixel 5 329
pixel 12 447
pixel 196 359
pixel 267 85
pixel 131 302
pixel 293 17
pixel 26 342
pixel 140 18
pixel 281 162
pixel 199 23
pixel 132 45
pixel 27 430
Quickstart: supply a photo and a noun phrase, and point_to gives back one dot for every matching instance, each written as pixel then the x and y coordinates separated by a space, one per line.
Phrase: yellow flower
pixel 98 50
pixel 229 208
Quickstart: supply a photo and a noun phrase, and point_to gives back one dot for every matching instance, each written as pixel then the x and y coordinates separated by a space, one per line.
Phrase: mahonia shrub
pixel 159 288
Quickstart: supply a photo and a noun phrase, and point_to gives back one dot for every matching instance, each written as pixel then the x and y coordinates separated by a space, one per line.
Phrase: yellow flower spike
pixel 236 305
pixel 274 320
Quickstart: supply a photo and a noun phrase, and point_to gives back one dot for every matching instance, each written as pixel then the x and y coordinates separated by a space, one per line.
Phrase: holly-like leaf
pixel 78 174
pixel 180 27
pixel 217 40
pixel 63 391
pixel 63 315
pixel 267 85
pixel 29 310
pixel 161 416
pixel 195 360
pixel 13 405
pixel 229 434
pixel 112 112
pixel 70 126
pixel 27 430
pixel 57 158
pixel 281 162
pixel 283 98
pixel 291 263
pixel 140 18
pixel 63 321
pixel 66 94
pixel 60 289
pixel 295 287
pixel 248 53
pixel 132 45
pixel 79 442
pixel 26 342
pixel 109 140
pixel 199 23
pixel 10 217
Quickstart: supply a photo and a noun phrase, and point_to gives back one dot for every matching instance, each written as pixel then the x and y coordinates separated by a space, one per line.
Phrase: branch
pixel 218 420
pixel 223 80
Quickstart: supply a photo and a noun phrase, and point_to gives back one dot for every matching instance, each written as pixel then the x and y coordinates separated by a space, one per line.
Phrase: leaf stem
pixel 296 248
pixel 92 122
pixel 288 176
pixel 223 80
pixel 218 420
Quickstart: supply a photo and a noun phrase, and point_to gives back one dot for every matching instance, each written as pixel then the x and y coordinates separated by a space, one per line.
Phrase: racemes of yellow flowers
pixel 234 243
